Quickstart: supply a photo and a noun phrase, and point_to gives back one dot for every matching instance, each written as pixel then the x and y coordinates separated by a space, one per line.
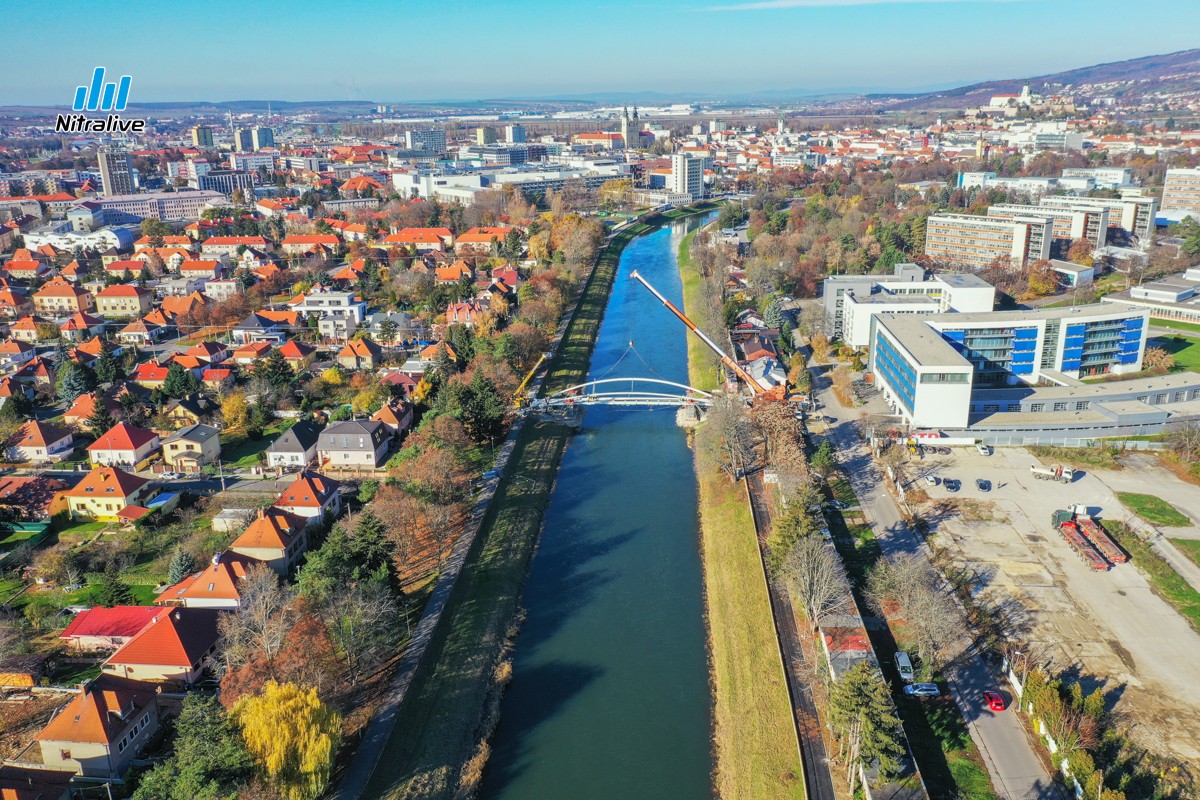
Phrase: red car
pixel 994 701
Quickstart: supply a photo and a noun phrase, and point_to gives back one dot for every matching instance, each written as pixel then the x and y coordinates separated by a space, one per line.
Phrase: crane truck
pixel 1060 473
pixel 778 393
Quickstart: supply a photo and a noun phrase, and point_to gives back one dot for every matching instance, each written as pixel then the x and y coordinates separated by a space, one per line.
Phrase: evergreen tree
pixel 107 369
pixel 182 565
pixel 275 370
pixel 179 381
pixel 262 414
pixel 773 315
pixel 126 276
pixel 72 381
pixel 209 762
pixel 144 276
pixel 443 363
pixel 111 590
pixel 862 713
pixel 17 408
pixel 101 419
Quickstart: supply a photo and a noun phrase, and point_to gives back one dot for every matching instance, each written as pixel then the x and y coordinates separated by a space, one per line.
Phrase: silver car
pixel 922 690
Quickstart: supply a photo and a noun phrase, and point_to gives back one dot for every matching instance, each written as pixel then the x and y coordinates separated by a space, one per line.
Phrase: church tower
pixel 629 128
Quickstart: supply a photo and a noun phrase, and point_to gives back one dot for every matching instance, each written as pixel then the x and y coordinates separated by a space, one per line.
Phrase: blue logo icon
pixel 89 98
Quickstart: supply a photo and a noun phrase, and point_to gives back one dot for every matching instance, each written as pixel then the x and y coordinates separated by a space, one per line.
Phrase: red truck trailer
pixel 1096 534
pixel 1070 530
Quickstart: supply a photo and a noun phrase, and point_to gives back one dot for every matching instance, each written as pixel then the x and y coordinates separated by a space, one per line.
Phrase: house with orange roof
pixel 181 306
pixel 360 354
pixel 95 346
pixel 117 269
pixel 121 300
pixel 303 243
pixel 454 273
pixel 464 313
pixel 105 492
pixel 351 273
pixel 184 242
pixel 312 496
pixel 397 416
pixel 215 586
pixel 176 646
pixel 140 332
pixel 14 303
pixel 228 246
pixel 24 269
pixel 251 352
pixel 430 353
pixel 149 374
pixel 266 272
pixel 481 241
pixel 33 498
pixel 201 268
pixel 123 445
pixel 59 297
pixel 422 239
pixel 361 186
pixel 38 372
pixel 84 407
pixel 217 379
pixel 38 443
pixel 14 353
pixel 106 629
pixel 100 732
pixel 83 325
pixel 298 354
pixel 275 537
pixel 209 352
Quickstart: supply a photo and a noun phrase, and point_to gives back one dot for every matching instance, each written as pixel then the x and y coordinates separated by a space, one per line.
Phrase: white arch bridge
pixel 645 392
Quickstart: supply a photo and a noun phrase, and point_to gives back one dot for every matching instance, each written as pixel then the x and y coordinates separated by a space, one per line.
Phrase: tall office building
pixel 485 136
pixel 514 134
pixel 687 175
pixel 116 170
pixel 430 140
pixel 202 136
pixel 262 138
pixel 1181 192
pixel 243 141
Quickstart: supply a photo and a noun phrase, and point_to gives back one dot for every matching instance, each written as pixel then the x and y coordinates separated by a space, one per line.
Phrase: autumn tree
pixel 1042 280
pixel 235 411
pixel 1158 359
pixel 819 343
pixel 292 736
pixel 725 436
pixel 1080 252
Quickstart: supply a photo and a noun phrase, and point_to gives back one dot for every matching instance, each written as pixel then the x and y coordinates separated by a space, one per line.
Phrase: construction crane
pixel 519 395
pixel 725 359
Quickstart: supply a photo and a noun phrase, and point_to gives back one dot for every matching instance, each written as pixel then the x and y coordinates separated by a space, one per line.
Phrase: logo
pixel 100 96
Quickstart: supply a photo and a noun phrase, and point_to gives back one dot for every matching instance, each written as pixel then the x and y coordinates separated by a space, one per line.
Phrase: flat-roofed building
pixel 1127 216
pixel 1067 224
pixel 975 241
pixel 1181 191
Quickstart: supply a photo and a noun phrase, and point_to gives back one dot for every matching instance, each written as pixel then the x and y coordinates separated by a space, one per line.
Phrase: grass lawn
pixel 754 734
pixel 1095 457
pixel 1175 325
pixel 9 587
pixel 143 595
pixel 16 539
pixel 1154 509
pixel 239 450
pixel 842 490
pixel 1189 547
pixel 1185 349
pixel 1164 580
pixel 703 365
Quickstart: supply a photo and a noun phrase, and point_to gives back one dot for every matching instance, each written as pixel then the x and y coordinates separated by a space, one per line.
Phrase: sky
pixel 409 50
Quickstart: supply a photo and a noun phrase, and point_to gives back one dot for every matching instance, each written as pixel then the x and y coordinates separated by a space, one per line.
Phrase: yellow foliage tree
pixel 333 376
pixel 292 736
pixel 235 411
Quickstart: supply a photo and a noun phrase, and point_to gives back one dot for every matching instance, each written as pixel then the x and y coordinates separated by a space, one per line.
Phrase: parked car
pixel 983 449
pixel 922 690
pixel 932 480
pixel 994 701
pixel 838 504
pixel 952 485
pixel 170 476
pixel 982 485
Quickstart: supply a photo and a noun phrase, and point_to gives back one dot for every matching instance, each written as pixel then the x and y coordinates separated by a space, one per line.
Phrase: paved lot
pixel 1110 627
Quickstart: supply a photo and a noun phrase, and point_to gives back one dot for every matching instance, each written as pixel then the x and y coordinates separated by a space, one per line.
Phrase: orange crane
pixel 725 359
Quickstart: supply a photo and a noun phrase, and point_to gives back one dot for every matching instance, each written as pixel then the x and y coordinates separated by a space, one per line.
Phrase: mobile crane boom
pixel 725 359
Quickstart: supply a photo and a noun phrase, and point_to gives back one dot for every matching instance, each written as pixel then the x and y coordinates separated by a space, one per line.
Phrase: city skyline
pixel 669 47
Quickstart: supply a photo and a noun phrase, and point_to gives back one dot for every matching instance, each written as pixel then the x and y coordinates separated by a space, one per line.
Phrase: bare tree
pixel 12 637
pixel 1184 439
pixel 816 577
pixel 725 436
pixel 362 623
pixel 910 585
pixel 260 626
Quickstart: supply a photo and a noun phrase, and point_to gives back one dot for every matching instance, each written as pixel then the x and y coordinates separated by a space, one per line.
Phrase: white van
pixel 904 667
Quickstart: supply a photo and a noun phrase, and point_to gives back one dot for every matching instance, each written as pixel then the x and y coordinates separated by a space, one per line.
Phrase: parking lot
pixel 1108 626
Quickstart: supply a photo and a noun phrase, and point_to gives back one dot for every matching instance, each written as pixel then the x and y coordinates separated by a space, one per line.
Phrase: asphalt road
pixel 1016 771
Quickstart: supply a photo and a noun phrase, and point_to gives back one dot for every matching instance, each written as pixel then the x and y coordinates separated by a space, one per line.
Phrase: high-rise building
pixel 243 140
pixel 1127 216
pixel 116 170
pixel 226 181
pixel 514 134
pixel 687 175
pixel 262 138
pixel 485 136
pixel 202 136
pixel 430 140
pixel 1181 192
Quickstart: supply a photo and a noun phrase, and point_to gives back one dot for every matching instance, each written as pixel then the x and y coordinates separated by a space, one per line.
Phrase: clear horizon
pixel 472 50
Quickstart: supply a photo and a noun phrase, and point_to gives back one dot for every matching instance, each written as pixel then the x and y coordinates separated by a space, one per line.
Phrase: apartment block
pixel 1127 216
pixel 974 241
pixel 1181 192
pixel 1067 224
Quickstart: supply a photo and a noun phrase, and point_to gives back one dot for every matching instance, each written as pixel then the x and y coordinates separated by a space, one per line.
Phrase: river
pixel 610 694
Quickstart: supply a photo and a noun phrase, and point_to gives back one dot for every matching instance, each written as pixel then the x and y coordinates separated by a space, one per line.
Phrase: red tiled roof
pixel 122 621
pixel 176 638
pixel 122 436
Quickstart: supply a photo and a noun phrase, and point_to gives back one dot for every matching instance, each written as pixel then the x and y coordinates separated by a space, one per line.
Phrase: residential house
pixel 123 445
pixel 228 246
pixel 275 537
pixel 338 313
pixel 150 375
pixel 208 352
pixel 122 300
pixel 390 327
pixel 213 587
pixel 191 409
pixel 140 332
pixel 83 326
pixel 309 243
pixel 422 239
pixel 39 442
pixel 31 498
pixel 217 379
pixel 176 646
pixel 464 313
pixel 296 447
pixel 312 496
pixel 397 416
pixel 60 297
pixel 14 354
pixel 100 732
pixel 353 444
pixel 106 629
pixel 480 241
pixel 84 408
pixel 26 328
pixel 251 353
pixel 454 273
pixel 104 493
pixel 182 306
pixel 223 289
pixel 297 354
pixel 190 448
pixel 265 326
pixel 184 242
pixel 37 372
pixel 360 354
pixel 202 269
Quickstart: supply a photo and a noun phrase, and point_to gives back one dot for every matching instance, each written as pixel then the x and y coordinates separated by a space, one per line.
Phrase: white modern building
pixel 687 175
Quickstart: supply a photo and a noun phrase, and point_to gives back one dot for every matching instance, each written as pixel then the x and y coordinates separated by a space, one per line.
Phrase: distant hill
pixel 1129 80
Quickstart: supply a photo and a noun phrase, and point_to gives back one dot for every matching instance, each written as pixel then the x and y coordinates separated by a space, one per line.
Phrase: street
pixel 1015 769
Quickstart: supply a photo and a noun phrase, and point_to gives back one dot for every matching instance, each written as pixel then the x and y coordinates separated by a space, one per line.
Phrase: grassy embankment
pixel 754 732
pixel 439 725
pixel 1154 509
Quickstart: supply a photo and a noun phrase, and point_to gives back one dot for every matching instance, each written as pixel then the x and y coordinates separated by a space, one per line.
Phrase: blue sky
pixel 414 50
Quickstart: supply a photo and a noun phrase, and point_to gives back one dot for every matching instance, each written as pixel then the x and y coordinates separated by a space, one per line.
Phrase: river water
pixel 610 695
